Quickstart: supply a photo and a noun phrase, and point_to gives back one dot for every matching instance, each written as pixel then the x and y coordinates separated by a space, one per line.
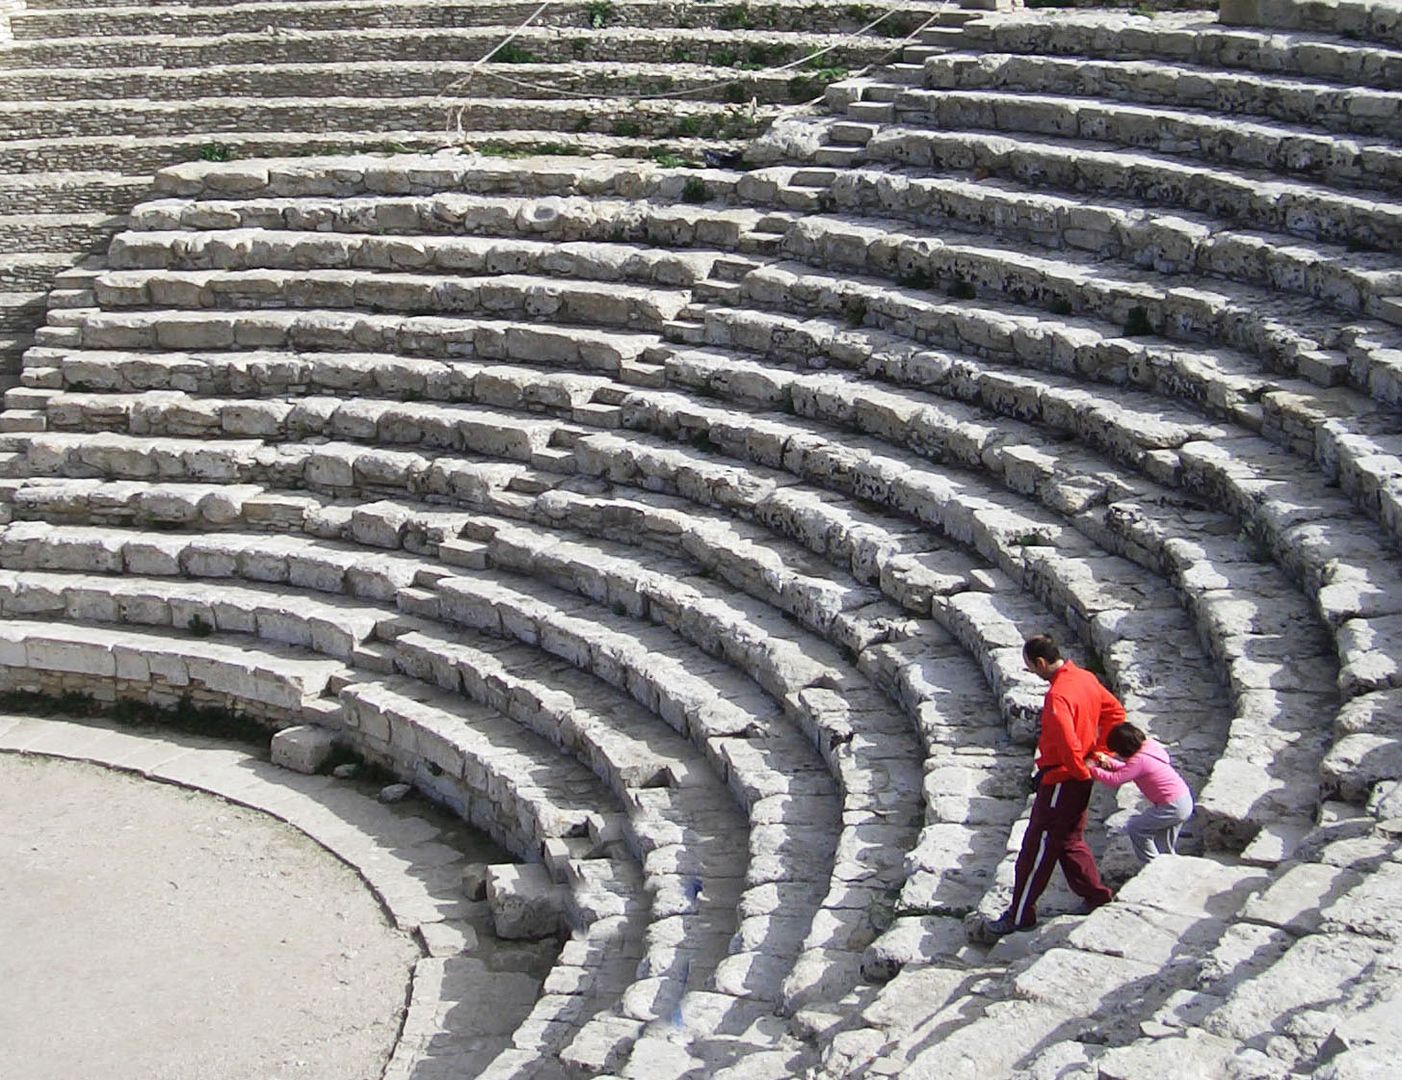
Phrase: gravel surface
pixel 151 932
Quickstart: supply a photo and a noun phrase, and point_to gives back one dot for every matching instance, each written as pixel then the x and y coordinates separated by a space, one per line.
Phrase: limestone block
pixel 92 657
pixel 1368 649
pixel 1370 907
pixel 1315 972
pixel 302 749
pixel 525 903
pixel 917 940
pixel 1296 899
pixel 1194 1055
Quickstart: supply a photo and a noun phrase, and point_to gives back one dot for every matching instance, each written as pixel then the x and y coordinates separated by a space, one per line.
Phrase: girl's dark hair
pixel 1041 647
pixel 1125 740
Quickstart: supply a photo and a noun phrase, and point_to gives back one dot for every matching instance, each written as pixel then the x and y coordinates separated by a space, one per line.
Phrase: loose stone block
pixel 302 749
pixel 525 903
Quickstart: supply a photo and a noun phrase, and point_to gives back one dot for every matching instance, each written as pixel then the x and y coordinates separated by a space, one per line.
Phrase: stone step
pixel 59 19
pixel 682 822
pixel 145 154
pixel 1201 308
pixel 851 134
pixel 565 218
pixel 838 157
pixel 231 114
pixel 1160 129
pixel 537 794
pixel 738 730
pixel 273 682
pixel 39 233
pixel 271 374
pixel 1354 109
pixel 253 249
pixel 1180 906
pixel 580 348
pixel 29 272
pixel 389 79
pixel 1191 39
pixel 592 303
pixel 652 44
pixel 1370 20
pixel 404 174
pixel 1169 244
pixel 333 627
pixel 1256 199
pixel 27 193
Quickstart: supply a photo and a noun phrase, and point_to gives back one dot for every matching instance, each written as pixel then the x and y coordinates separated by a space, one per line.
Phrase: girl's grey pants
pixel 1155 831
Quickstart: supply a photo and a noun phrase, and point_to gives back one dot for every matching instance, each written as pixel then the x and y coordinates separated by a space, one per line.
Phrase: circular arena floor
pixel 149 931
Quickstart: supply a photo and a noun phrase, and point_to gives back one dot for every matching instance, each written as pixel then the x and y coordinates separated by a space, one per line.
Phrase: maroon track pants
pixel 1056 834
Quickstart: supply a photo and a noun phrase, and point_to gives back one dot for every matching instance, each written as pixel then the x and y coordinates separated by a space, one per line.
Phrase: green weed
pixel 600 14
pixel 694 190
pixel 735 17
pixel 511 53
pixel 1137 323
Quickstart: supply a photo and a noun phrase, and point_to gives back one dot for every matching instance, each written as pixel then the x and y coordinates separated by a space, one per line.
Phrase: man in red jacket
pixel 1077 713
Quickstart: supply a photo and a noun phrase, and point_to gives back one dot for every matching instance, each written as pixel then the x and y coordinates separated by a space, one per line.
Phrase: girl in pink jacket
pixel 1141 759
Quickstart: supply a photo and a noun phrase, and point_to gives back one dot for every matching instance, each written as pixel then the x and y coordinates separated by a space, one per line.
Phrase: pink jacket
pixel 1150 769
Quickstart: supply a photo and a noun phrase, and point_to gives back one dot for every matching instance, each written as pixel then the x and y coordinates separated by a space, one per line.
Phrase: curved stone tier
pixel 682 527
pixel 92 101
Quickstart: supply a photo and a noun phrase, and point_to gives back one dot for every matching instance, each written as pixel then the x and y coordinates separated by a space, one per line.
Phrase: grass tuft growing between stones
pixel 694 190
pixel 599 13
pixel 1137 323
pixel 736 17
pixel 199 626
pixel 512 150
pixel 184 715
pixel 511 53
pixel 216 151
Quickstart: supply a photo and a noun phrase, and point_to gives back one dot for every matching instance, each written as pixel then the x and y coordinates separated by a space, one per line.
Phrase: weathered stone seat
pixel 1257 197
pixel 1352 109
pixel 282 682
pixel 333 628
pixel 253 249
pixel 583 348
pixel 1086 975
pixel 1192 37
pixel 625 306
pixel 1369 20
pixel 1260 144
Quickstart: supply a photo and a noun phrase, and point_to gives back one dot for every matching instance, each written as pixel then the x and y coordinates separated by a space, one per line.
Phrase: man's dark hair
pixel 1125 740
pixel 1041 647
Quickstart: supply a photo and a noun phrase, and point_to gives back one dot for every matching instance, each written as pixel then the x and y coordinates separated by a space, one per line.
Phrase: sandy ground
pixel 148 932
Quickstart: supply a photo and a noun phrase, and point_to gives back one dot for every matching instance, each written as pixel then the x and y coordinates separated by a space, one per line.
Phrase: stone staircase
pixel 92 102
pixel 681 528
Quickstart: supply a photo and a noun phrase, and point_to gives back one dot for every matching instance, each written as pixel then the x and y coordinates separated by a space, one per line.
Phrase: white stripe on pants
pixel 1020 902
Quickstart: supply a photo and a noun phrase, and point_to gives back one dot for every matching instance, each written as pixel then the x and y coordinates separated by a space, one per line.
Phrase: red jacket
pixel 1077 713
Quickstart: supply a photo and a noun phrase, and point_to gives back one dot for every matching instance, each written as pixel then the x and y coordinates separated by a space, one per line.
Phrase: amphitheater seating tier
pixel 97 99
pixel 681 527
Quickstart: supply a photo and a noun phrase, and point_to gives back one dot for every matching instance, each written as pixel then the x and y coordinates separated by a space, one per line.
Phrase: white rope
pixel 487 56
